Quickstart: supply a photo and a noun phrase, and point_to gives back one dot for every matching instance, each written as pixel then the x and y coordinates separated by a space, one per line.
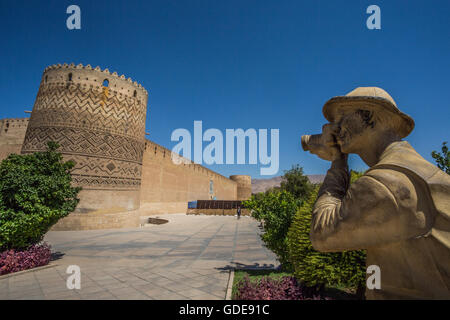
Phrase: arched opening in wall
pixel 105 83
pixel 134 93
pixel 70 77
pixel 46 78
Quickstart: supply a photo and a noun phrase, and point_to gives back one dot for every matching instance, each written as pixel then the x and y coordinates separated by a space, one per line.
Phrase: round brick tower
pixel 244 186
pixel 98 119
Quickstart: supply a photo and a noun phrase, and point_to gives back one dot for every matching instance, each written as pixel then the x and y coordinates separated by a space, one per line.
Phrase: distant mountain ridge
pixel 261 185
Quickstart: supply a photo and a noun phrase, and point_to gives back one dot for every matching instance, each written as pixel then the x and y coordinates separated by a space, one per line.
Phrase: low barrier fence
pixel 216 207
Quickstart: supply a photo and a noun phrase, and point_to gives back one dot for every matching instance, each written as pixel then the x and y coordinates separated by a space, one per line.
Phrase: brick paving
pixel 188 258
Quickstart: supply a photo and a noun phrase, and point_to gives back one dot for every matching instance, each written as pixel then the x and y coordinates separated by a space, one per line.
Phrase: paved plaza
pixel 190 257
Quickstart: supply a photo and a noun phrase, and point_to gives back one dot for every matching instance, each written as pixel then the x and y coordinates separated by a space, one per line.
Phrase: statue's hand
pixel 330 150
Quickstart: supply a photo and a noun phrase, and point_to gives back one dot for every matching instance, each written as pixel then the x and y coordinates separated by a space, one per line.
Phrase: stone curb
pixel 230 285
pixel 12 274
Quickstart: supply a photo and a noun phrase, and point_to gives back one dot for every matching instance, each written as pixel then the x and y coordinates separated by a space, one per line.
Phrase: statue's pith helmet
pixel 369 98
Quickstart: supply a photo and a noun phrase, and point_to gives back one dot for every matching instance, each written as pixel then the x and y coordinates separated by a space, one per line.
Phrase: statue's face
pixel 352 132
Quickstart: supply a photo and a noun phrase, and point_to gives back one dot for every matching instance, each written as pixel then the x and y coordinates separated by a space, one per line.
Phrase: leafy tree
pixel 276 210
pixel 35 192
pixel 296 182
pixel 318 269
pixel 262 194
pixel 442 159
pixel 355 175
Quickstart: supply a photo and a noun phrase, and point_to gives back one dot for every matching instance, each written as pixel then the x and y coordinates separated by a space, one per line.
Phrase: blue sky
pixel 241 64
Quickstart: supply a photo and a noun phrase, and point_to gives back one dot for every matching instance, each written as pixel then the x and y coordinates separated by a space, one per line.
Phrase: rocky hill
pixel 261 185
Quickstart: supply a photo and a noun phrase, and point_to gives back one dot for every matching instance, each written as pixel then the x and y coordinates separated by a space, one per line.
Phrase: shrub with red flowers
pixel 14 260
pixel 284 288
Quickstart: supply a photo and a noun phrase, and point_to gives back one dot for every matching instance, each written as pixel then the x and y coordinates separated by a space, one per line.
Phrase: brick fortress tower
pixel 98 118
pixel 244 186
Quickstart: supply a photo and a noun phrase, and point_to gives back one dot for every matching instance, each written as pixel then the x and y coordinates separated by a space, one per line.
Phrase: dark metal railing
pixel 215 204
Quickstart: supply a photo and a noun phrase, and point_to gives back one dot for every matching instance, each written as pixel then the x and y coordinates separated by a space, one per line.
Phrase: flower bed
pixel 13 260
pixel 267 288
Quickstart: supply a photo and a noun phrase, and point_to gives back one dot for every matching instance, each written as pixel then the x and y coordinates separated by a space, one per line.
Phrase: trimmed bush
pixel 316 268
pixel 13 260
pixel 285 288
pixel 276 209
pixel 35 192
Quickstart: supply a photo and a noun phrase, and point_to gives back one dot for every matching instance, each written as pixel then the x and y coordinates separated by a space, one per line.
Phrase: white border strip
pixel 12 274
pixel 230 285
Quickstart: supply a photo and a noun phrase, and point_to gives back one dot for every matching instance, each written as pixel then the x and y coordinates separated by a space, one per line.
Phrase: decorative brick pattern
pixel 98 119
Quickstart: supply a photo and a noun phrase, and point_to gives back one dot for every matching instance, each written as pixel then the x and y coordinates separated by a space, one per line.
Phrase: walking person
pixel 239 212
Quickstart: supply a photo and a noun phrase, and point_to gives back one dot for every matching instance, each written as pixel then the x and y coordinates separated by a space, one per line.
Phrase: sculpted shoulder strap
pixel 405 159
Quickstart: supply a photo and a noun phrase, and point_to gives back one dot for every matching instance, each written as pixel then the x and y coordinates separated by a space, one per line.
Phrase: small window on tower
pixel 70 77
pixel 105 83
pixel 134 93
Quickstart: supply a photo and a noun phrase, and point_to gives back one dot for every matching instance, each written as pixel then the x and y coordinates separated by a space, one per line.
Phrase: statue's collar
pixel 393 147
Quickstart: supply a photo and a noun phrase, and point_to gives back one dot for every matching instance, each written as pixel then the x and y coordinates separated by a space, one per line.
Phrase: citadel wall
pixel 12 134
pixel 167 187
pixel 98 119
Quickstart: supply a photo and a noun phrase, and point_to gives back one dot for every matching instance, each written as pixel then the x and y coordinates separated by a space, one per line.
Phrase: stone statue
pixel 399 210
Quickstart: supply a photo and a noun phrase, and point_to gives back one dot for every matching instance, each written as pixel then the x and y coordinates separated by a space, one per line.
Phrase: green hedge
pixel 316 268
pixel 276 209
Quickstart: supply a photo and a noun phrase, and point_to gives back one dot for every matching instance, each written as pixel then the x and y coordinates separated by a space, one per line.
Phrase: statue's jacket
pixel 399 211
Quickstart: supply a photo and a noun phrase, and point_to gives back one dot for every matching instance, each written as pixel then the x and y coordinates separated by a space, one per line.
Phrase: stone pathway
pixel 188 258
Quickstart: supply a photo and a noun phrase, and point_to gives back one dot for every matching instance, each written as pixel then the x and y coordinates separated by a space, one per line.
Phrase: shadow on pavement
pixel 241 266
pixel 56 256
